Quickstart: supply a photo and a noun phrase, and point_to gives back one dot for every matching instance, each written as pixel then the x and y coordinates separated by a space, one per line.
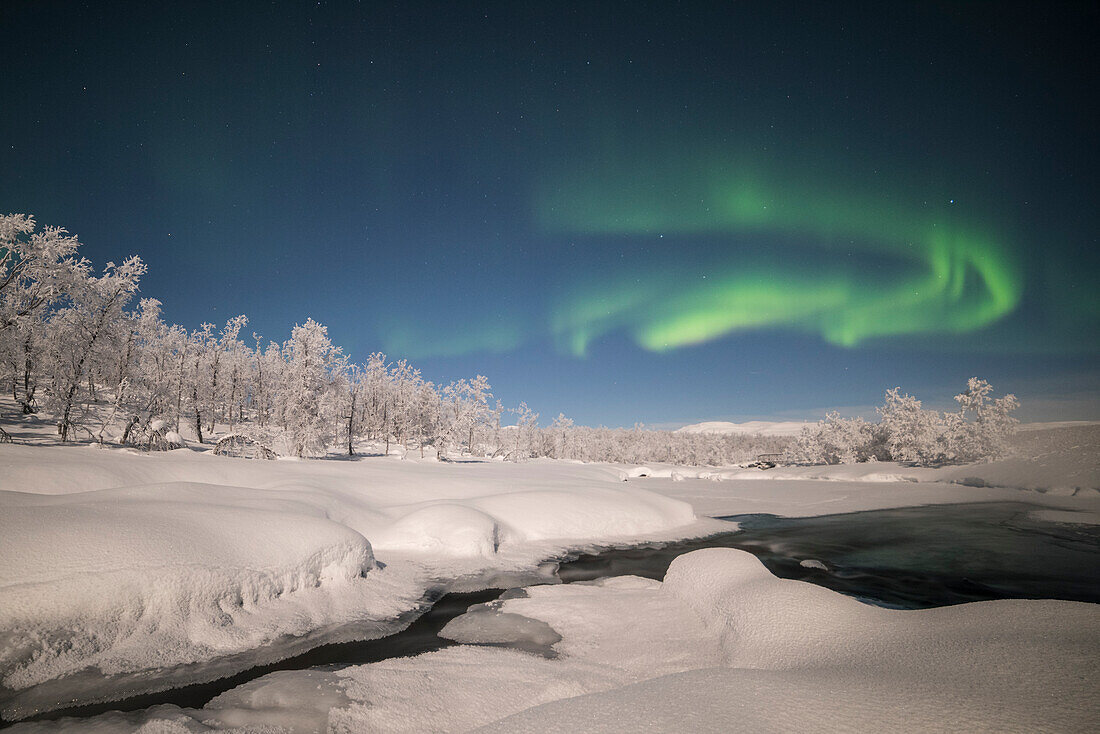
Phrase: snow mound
pixel 124 583
pixel 449 529
pixel 597 512
pixel 484 625
pixel 124 572
pixel 801 658
pixel 721 645
pixel 769 623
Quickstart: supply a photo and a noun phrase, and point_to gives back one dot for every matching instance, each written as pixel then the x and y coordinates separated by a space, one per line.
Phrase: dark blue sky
pixel 657 212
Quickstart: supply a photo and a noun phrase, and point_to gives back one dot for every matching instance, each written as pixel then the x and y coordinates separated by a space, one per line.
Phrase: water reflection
pixel 909 558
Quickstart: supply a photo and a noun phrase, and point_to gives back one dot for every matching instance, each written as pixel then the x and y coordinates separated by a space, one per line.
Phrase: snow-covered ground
pixel 807 491
pixel 126 571
pixel 1059 469
pixel 720 646
pixel 140 564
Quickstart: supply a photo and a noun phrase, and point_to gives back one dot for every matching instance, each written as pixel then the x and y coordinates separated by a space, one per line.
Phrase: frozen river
pixel 907 558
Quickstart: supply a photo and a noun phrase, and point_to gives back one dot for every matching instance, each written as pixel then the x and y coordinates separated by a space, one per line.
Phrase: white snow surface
pixel 131 571
pixel 720 646
pixel 1048 425
pixel 138 566
pixel 761 428
pixel 1067 482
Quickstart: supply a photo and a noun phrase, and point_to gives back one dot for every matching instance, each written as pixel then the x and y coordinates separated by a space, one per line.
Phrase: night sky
pixel 655 212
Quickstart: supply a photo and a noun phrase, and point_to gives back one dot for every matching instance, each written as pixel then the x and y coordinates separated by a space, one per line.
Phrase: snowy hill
pixel 762 428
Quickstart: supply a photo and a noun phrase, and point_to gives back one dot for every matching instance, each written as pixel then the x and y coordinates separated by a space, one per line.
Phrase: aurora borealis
pixel 620 211
pixel 949 277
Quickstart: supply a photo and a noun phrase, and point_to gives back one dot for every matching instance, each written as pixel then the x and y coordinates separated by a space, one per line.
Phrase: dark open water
pixel 910 558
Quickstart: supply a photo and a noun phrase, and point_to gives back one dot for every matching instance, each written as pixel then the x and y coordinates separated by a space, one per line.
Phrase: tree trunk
pixel 64 426
pixel 179 395
pixel 213 394
pixel 28 387
pixel 198 414
pixel 351 422
pixel 130 427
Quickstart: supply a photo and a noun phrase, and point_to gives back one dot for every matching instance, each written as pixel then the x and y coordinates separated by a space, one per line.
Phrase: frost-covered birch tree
pixel 306 402
pixel 80 331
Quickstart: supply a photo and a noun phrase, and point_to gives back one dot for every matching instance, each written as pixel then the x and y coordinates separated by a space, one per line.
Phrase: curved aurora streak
pixel 941 276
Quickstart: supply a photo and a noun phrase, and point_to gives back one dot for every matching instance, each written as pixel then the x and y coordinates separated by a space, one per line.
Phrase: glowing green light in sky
pixel 943 276
pixel 429 340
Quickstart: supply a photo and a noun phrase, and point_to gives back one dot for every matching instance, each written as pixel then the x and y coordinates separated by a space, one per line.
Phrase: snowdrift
pixel 126 572
pixel 720 646
pixel 124 583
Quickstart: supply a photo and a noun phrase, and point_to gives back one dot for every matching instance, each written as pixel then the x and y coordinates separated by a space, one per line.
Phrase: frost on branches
pixel 908 433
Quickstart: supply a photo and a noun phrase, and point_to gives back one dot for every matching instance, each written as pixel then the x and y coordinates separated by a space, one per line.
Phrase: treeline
pixel 638 445
pixel 979 431
pixel 76 346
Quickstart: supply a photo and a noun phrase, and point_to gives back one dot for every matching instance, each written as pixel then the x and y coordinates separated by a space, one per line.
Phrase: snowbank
pixel 129 572
pixel 721 645
pixel 1058 482
pixel 125 571
pixel 796 657
pixel 123 583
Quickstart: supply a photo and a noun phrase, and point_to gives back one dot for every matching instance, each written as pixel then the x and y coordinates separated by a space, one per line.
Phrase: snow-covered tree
pixel 835 440
pixel 561 442
pixel 468 403
pixel 985 424
pixel 37 268
pixel 525 435
pixel 306 403
pixel 79 332
pixel 234 362
pixel 911 433
pixel 428 414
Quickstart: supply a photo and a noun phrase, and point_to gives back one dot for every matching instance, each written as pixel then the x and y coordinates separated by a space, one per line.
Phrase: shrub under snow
pixel 979 431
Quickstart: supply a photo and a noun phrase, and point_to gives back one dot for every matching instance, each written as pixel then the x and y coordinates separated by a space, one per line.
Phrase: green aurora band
pixel 420 341
pixel 943 276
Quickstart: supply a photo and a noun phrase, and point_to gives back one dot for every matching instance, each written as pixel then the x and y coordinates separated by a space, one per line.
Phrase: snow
pixel 490 626
pixel 447 529
pixel 1068 481
pixel 128 579
pixel 130 571
pixel 720 645
pixel 1049 425
pixel 761 428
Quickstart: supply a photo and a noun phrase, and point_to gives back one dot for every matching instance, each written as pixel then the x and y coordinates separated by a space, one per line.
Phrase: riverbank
pixel 134 572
